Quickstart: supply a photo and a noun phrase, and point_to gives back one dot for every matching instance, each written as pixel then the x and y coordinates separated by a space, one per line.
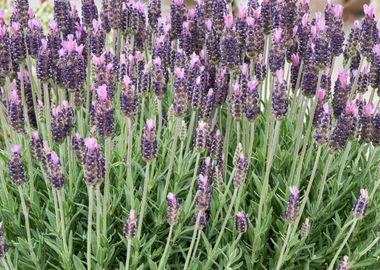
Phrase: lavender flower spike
pixel 345 264
pixel 16 166
pixel 292 211
pixel 172 213
pixel 241 222
pixel 149 141
pixel 280 97
pixel 361 204
pixel 130 225
pixel 3 245
pixel 93 162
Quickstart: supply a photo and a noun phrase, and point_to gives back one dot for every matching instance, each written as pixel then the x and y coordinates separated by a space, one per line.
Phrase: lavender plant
pixel 187 131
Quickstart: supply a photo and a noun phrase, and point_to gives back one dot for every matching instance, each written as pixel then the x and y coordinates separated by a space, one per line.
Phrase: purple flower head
pixel 252 101
pixel 241 170
pixel 236 102
pixel 203 196
pixel 241 222
pixel 228 21
pixel 172 213
pixel 345 264
pixel 216 147
pixel 130 225
pixel 292 210
pixel 322 125
pixel 93 162
pixel 280 97
pixel 202 134
pixel 361 204
pixel 277 35
pixel 149 141
pixel 16 166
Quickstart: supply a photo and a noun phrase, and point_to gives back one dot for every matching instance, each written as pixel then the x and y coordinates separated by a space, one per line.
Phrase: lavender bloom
pixel 241 170
pixel 159 79
pixel 369 32
pixel 62 15
pixel 104 113
pixel 89 12
pixel 178 16
pixel 219 10
pixel 196 93
pixel 18 49
pixel 319 107
pixel 145 81
pixel 323 125
pixel 206 168
pixel 375 67
pixel 277 52
pixel 128 98
pixel 207 105
pixel 93 162
pixel 363 81
pixel 115 14
pixel 33 37
pixel 351 48
pixel 3 245
pixel 28 97
pixel 172 212
pixel 279 96
pixel 5 54
pixel 44 62
pixel 58 128
pixel 241 26
pixel 216 148
pixel 342 92
pixel 36 146
pixel 292 210
pixel 218 173
pixel 241 222
pixel 149 142
pixel 202 218
pixel 336 31
pixel 304 33
pixel 16 113
pixel 16 166
pixel 97 38
pixel 366 125
pixel 305 228
pixel 345 128
pixel 260 68
pixel 361 204
pixel 376 129
pixel 54 170
pixel 236 102
pixel 252 102
pixel 294 70
pixel 78 146
pixel 180 101
pixel 229 45
pixel 326 81
pixel 54 42
pixel 322 51
pixel 221 85
pixel 201 136
pixel 212 42
pixel 154 12
pixel 345 264
pixel 105 15
pixel 130 225
pixel 266 13
pixel 203 196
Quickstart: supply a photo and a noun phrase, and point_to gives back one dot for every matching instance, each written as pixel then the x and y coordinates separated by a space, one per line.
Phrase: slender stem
pixel 171 159
pixel 323 180
pixel 143 202
pixel 159 101
pixel 62 216
pixel 129 168
pixel 280 258
pixel 332 263
pixel 98 213
pixel 141 121
pixel 106 183
pixel 226 142
pixel 190 131
pixel 226 219
pixel 343 162
pixel 369 247
pixel 358 156
pixel 163 258
pixel 56 211
pixel 128 254
pixel 89 224
pixel 196 245
pixel 26 216
pixel 238 131
pixel 251 141
pixel 193 239
pixel 190 193
pixel 4 263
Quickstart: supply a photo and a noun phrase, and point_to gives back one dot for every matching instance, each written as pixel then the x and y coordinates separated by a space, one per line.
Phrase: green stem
pixel 226 219
pixel 26 216
pixel 98 213
pixel 143 202
pixel 4 263
pixel 332 263
pixel 106 183
pixel 323 180
pixel 128 254
pixel 343 162
pixel 190 193
pixel 280 258
pixel 369 247
pixel 251 141
pixel 226 142
pixel 62 216
pixel 193 239
pixel 89 224
pixel 129 168
pixel 196 245
pixel 163 258
pixel 171 159
pixel 190 131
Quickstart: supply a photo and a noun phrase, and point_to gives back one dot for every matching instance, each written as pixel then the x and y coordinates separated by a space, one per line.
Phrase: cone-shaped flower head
pixel 241 222
pixel 361 204
pixel 292 210
pixel 16 166
pixel 130 225
pixel 172 212
pixel 149 141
